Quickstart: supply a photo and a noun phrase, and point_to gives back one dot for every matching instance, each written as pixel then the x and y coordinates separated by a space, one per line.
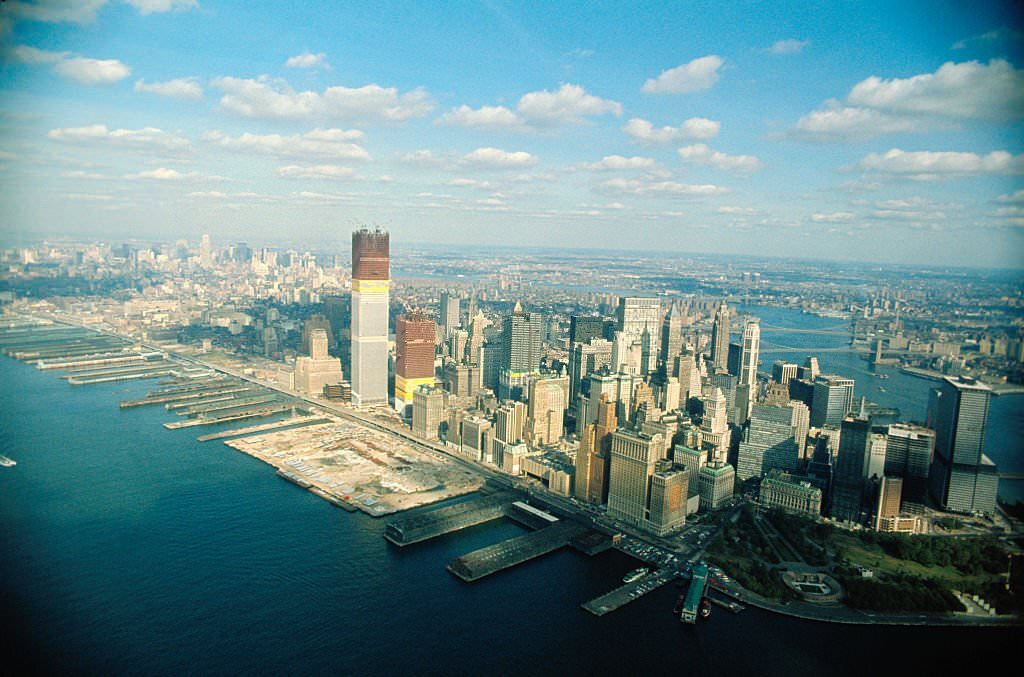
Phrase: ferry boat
pixel 634 575
pixel 7 462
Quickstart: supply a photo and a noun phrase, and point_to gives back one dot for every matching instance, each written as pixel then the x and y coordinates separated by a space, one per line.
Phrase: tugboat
pixel 678 608
pixel 705 608
pixel 7 462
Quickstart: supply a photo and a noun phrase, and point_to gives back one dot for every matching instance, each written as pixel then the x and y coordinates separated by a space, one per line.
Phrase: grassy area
pixel 851 550
pixel 743 553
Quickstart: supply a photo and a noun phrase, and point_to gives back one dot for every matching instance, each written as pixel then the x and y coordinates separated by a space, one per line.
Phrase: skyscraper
pixel 521 340
pixel 749 354
pixel 851 465
pixel 371 284
pixel 769 443
pixel 428 411
pixel 909 451
pixel 449 315
pixel 634 315
pixel 414 357
pixel 671 335
pixel 549 398
pixel 832 401
pixel 964 479
pixel 720 339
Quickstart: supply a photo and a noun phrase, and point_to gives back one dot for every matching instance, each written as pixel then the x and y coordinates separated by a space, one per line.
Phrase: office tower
pixel 750 352
pixel 634 457
pixel 964 479
pixel 768 443
pixel 667 511
pixel 316 321
pixel 890 490
pixel 851 464
pixel 714 426
pixel 693 460
pixel 720 339
pixel 909 451
pixel 336 308
pixel 801 426
pixel 716 483
pixel 583 328
pixel 205 252
pixel 689 377
pixel 634 315
pixel 476 438
pixel 671 335
pixel 428 411
pixel 371 284
pixel 584 359
pixel 735 359
pixel 448 314
pixel 460 379
pixel 876 456
pixel 585 460
pixel 783 372
pixel 477 322
pixel 618 388
pixel 490 358
pixel 414 357
pixel 833 400
pixel 782 490
pixel 627 354
pixel 648 351
pixel 522 351
pixel 549 398
pixel 458 340
pixel 319 369
pixel 510 422
pixel 728 384
pixel 810 370
pixel 607 423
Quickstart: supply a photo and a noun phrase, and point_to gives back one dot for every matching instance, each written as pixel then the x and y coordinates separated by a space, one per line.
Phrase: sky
pixel 872 131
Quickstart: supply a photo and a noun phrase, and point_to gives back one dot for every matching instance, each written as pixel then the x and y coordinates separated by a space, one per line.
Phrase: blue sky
pixel 847 130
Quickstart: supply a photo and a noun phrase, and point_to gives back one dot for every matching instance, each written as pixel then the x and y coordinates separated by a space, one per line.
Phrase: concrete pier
pixel 297 422
pixel 494 558
pixel 258 412
pixel 190 395
pixel 446 519
pixel 623 595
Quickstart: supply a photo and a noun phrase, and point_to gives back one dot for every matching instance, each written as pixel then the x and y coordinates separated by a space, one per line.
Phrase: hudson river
pixel 126 547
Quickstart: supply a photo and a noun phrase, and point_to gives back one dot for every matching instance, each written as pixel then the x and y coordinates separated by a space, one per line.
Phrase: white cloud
pixel 88 197
pixel 641 187
pixel 55 11
pixel 998 37
pixel 180 88
pixel 613 162
pixel 422 158
pixel 695 76
pixel 790 46
pixel 158 6
pixel 926 165
pixel 699 129
pixel 736 210
pixel 33 55
pixel 165 174
pixel 837 122
pixel 485 117
pixel 307 60
pixel 335 144
pixel 471 183
pixel 568 105
pixel 831 217
pixel 323 172
pixel 993 91
pixel 498 159
pixel 79 68
pixel 274 99
pixel 700 154
pixel 1015 197
pixel 148 139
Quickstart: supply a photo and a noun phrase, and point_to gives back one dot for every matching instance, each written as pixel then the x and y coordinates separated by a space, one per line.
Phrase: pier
pixel 257 412
pixel 192 394
pixel 446 519
pixel 494 558
pixel 295 422
pixel 623 595
pixel 695 594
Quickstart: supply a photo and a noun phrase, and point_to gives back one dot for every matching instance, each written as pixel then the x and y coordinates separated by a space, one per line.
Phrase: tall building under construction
pixel 370 297
pixel 415 336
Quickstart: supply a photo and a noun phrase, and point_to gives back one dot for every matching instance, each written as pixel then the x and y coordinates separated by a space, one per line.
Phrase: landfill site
pixel 356 467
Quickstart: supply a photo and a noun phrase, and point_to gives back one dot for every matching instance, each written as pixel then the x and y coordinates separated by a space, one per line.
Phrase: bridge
pixel 834 331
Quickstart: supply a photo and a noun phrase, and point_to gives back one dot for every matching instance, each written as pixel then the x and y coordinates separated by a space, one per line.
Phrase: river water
pixel 126 547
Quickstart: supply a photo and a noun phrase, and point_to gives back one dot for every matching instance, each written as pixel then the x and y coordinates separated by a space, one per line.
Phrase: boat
pixel 7 462
pixel 705 608
pixel 678 609
pixel 634 575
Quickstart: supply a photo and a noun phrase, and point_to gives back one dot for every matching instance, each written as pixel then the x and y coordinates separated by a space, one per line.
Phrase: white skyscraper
pixel 371 285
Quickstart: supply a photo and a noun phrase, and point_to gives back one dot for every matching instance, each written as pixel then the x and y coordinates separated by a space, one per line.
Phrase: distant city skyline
pixel 867 132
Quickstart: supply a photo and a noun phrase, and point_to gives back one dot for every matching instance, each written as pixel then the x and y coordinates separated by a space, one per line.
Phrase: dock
pixel 208 391
pixel 257 412
pixel 624 594
pixel 436 522
pixel 695 594
pixel 296 422
pixel 500 556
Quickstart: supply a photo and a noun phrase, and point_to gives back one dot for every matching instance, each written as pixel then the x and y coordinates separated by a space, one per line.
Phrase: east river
pixel 126 547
